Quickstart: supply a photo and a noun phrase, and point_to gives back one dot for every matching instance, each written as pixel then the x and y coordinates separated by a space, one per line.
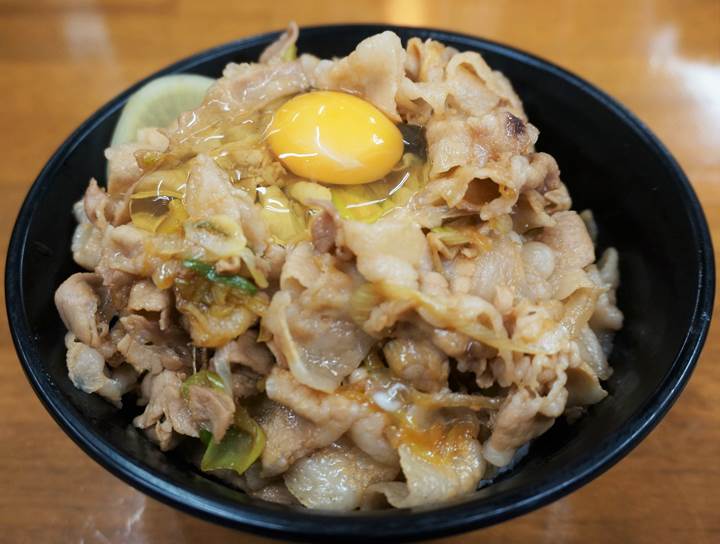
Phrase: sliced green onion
pixel 207 270
pixel 451 236
pixel 205 437
pixel 203 378
pixel 290 53
pixel 362 302
pixel 242 444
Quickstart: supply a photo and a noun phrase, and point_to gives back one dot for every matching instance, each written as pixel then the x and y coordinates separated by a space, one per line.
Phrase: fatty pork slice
pixel 313 333
pixel 86 245
pixel 247 87
pixel 144 296
pixel 433 479
pixel 210 409
pixel 413 357
pixel 336 477
pixel 82 303
pixel 524 415
pixel 210 193
pixel 331 411
pixel 243 361
pixel 423 91
pixel 102 208
pixel 245 350
pixel 571 241
pixel 149 348
pixel 123 168
pixel 393 249
pixel 373 71
pixel 607 317
pixel 289 436
pixel 276 51
pixel 369 433
pixel 166 412
pixel 500 266
pixel 124 250
pixel 87 371
pixel 568 237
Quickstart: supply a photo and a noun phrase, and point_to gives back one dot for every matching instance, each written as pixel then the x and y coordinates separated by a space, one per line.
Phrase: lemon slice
pixel 159 103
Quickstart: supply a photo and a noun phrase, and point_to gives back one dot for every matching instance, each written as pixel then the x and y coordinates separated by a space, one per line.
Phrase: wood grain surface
pixel 62 59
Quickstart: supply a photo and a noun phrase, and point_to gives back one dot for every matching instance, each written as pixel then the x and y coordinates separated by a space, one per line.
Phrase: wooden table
pixel 60 60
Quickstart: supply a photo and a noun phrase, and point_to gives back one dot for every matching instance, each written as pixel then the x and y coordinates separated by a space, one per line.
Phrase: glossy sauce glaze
pixel 255 152
pixel 419 421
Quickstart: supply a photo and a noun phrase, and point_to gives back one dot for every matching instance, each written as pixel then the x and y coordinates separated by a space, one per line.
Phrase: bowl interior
pixel 642 206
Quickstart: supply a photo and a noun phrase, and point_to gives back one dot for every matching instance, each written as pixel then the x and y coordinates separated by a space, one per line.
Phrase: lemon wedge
pixel 159 103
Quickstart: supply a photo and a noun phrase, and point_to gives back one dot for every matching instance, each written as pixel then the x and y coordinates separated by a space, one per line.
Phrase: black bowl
pixel 611 163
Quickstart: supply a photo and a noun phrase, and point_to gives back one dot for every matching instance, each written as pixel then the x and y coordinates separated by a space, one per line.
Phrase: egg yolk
pixel 335 138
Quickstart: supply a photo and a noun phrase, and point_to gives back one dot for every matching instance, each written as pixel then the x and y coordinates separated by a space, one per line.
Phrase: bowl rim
pixel 423 523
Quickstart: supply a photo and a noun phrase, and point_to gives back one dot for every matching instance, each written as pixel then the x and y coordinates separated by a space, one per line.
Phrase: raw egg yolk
pixel 334 137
